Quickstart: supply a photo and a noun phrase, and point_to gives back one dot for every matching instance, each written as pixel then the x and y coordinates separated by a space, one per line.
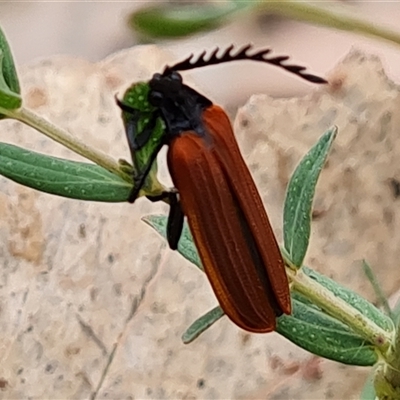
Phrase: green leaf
pixel 299 198
pixel 169 21
pixel 8 68
pixel 382 299
pixel 313 330
pixel 202 324
pixel 186 246
pixel 352 298
pixel 8 99
pixel 65 178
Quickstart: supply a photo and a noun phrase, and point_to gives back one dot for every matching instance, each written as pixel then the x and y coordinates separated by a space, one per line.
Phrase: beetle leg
pixel 175 217
pixel 139 179
pixel 175 221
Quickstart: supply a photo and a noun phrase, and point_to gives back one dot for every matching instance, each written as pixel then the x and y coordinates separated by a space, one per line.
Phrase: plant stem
pixel 63 137
pixel 339 309
pixel 306 12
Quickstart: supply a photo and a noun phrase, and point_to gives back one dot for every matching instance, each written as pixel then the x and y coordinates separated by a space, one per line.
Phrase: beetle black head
pixel 160 84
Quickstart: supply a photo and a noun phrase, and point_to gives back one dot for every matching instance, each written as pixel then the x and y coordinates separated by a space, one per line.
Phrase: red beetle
pixel 216 193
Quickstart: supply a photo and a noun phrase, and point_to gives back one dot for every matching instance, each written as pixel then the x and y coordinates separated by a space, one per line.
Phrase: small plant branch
pixel 63 137
pixel 339 309
pixel 310 13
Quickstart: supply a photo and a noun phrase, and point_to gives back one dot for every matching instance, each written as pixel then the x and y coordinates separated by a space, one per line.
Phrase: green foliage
pixel 202 324
pixel 382 300
pixel 10 98
pixel 170 21
pixel 65 178
pixel 315 331
pixel 299 198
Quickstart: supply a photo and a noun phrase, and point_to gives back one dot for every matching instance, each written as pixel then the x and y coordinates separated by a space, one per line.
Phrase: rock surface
pixel 93 304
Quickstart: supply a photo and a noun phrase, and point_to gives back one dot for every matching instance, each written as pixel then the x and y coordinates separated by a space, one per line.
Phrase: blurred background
pixel 93 30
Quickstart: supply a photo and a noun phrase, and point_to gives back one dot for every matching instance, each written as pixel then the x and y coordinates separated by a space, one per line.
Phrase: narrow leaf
pixel 61 177
pixel 8 68
pixel 383 301
pixel 9 100
pixel 166 20
pixel 313 330
pixel 202 324
pixel 299 198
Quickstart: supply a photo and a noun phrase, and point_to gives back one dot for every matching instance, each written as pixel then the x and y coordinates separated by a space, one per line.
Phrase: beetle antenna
pixel 200 61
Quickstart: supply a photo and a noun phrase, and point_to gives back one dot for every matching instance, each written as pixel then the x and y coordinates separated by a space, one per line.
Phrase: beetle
pixel 214 190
